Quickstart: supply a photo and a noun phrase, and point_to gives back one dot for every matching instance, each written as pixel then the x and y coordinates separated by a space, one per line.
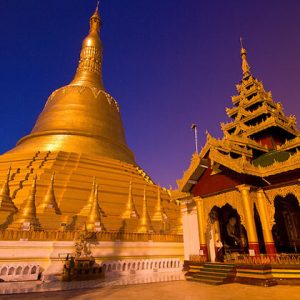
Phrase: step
pixel 219 265
pixel 217 268
pixel 219 274
pixel 212 270
pixel 203 276
pixel 207 281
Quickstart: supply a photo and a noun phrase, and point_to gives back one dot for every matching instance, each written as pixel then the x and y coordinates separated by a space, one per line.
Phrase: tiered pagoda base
pixel 74 175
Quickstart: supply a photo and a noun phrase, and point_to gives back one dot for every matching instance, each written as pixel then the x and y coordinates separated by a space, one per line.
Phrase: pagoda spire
pixel 145 225
pixel 49 201
pixel 81 116
pixel 245 65
pixel 86 209
pixel 93 222
pixel 89 70
pixel 26 218
pixel 6 203
pixel 159 214
pixel 130 211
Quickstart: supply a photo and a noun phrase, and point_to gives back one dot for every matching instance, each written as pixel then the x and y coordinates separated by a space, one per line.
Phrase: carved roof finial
pixel 245 65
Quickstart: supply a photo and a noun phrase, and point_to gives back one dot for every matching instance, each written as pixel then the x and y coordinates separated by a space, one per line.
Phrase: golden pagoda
pixel 79 135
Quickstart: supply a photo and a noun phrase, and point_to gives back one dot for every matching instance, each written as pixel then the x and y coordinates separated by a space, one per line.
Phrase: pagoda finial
pixel 89 71
pixel 95 21
pixel 245 65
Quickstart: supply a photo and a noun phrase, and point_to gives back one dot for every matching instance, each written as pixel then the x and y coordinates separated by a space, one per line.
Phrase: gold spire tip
pixel 241 41
pixel 243 50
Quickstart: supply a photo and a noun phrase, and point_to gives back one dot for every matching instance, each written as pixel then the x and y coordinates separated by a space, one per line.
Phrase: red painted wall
pixel 209 184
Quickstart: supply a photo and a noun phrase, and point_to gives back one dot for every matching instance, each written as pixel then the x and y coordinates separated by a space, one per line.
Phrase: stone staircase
pixel 212 273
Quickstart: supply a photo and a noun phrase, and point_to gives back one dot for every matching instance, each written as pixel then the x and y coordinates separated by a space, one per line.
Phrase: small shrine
pixel 81 265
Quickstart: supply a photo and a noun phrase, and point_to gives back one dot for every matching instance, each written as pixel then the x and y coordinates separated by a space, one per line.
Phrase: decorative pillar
pixel 200 215
pixel 249 218
pixel 267 233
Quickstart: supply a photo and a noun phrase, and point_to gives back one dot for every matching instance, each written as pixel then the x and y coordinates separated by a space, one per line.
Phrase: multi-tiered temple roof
pixel 258 141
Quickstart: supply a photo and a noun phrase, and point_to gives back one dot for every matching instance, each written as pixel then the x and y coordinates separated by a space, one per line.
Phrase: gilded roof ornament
pixel 245 65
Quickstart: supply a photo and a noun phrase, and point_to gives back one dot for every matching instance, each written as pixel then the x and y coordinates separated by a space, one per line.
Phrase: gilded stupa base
pixel 74 174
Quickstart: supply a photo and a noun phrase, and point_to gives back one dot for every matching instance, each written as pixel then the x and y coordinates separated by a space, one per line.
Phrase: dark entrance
pixel 232 232
pixel 286 231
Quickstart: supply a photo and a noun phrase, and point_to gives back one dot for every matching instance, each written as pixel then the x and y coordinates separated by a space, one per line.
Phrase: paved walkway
pixel 8 288
pixel 183 290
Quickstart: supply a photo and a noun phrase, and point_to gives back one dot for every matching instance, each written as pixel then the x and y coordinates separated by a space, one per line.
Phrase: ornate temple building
pixel 75 172
pixel 243 190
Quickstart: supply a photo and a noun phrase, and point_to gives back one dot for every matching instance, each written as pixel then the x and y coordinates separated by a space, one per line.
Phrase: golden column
pixel 201 229
pixel 249 218
pixel 267 232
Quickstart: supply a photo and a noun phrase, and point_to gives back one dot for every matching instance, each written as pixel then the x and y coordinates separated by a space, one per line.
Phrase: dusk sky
pixel 168 63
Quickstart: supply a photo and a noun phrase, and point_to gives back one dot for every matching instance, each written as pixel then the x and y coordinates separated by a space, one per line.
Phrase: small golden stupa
pixel 79 136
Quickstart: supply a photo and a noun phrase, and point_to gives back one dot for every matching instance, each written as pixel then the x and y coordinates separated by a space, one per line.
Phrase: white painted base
pixel 113 256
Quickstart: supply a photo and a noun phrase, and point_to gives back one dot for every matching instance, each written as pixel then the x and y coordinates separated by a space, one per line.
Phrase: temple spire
pixel 6 203
pixel 158 212
pixel 245 65
pixel 86 209
pixel 145 225
pixel 26 218
pixel 89 71
pixel 49 201
pixel 93 222
pixel 130 211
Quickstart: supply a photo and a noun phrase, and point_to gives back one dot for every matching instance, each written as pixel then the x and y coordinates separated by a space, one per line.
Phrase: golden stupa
pixel 79 136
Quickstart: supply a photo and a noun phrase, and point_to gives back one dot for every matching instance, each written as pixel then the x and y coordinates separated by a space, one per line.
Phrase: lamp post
pixel 194 127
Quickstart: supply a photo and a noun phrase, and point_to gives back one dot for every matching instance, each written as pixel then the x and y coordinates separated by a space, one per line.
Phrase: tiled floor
pixel 183 290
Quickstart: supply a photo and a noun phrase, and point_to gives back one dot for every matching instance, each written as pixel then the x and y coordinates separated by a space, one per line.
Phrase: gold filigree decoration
pixel 232 198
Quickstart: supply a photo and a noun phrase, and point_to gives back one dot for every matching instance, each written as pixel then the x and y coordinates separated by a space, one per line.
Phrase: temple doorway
pixel 286 231
pixel 226 235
